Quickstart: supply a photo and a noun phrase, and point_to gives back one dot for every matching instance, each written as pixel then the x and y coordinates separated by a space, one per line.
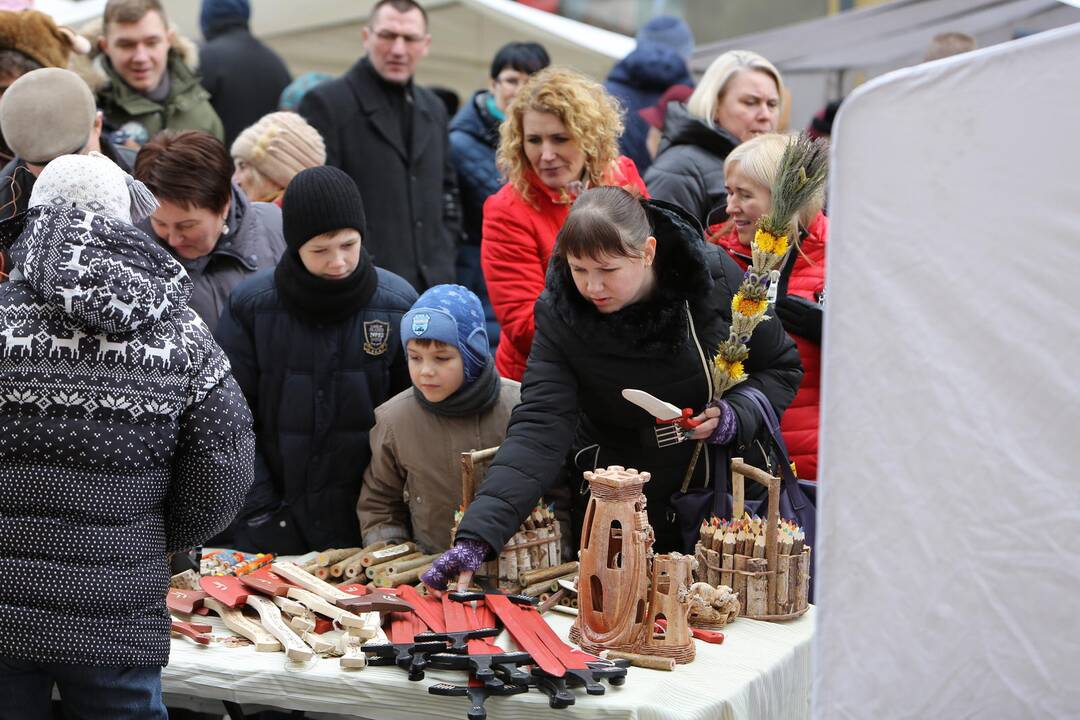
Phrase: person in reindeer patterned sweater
pixel 125 439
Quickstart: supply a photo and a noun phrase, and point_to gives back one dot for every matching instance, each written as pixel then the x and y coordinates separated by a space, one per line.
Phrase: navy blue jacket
pixel 313 390
pixel 638 81
pixel 474 137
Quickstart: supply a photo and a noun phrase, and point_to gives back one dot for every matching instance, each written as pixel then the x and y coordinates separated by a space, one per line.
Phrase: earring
pixel 224 228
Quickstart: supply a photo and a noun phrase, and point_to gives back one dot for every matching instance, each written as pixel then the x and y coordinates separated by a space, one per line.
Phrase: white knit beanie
pixel 280 145
pixel 93 183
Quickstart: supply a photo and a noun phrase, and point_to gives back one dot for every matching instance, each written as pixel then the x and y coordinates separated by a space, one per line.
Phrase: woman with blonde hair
pixel 740 96
pixel 749 173
pixel 271 152
pixel 560 137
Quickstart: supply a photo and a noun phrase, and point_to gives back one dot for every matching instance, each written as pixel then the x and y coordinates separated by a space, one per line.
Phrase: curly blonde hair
pixel 590 114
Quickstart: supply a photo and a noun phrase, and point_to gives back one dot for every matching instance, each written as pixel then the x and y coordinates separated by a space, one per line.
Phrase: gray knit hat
pixel 47 113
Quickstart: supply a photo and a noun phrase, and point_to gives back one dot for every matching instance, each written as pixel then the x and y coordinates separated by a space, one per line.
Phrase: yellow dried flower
pixel 733 370
pixel 769 243
pixel 747 306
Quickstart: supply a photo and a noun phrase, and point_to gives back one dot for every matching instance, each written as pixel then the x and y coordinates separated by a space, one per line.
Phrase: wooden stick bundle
pixel 765 585
pixel 382 568
pixel 329 557
pixel 549 573
pixel 406 577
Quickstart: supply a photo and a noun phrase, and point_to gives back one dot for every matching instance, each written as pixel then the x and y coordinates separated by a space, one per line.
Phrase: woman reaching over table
pixel 634 298
pixel 560 136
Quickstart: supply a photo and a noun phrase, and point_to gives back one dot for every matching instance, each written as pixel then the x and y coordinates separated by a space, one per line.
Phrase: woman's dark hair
pixel 604 221
pixel 190 169
pixel 525 57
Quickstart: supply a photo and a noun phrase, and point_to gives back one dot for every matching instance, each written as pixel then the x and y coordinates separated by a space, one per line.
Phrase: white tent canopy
pixel 326 35
pixel 823 59
pixel 946 574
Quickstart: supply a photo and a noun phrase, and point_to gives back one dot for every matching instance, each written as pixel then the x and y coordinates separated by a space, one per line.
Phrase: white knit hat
pixel 93 183
pixel 280 145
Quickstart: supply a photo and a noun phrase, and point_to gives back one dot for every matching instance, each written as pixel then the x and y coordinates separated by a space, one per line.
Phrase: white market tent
pixel 326 35
pixel 825 58
pixel 946 574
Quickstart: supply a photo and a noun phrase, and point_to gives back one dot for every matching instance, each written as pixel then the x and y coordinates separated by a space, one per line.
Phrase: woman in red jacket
pixel 560 136
pixel 749 172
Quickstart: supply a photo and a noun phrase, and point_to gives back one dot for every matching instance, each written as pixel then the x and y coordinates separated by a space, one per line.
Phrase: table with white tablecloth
pixel 762 670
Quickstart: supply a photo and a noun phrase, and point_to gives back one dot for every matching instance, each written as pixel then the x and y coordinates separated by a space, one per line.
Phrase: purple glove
pixel 727 425
pixel 465 555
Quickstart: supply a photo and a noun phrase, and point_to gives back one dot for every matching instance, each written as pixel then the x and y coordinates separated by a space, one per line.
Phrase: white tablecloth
pixel 762 670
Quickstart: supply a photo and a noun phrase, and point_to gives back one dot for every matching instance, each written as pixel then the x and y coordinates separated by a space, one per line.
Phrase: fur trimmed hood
pixel 91 68
pixel 684 275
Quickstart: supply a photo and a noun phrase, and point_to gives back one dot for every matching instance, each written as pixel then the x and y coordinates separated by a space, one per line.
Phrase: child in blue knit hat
pixel 457 403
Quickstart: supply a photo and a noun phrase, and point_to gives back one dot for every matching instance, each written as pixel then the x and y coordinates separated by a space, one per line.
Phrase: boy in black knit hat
pixel 314 346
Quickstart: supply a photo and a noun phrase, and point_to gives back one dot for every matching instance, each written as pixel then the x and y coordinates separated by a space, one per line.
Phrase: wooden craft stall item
pixel 616 543
pixel 770 580
pixel 536 546
pixel 669 602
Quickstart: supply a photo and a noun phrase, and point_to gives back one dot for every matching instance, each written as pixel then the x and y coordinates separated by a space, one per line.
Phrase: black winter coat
pixel 123 437
pixel 581 361
pixel 243 76
pixel 474 138
pixel 409 189
pixel 637 82
pixel 689 167
pixel 313 390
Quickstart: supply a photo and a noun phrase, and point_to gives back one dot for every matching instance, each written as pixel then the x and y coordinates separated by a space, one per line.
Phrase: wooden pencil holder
pixel 536 545
pixel 772 588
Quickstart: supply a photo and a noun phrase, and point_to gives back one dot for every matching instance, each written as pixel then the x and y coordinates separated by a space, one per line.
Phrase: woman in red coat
pixel 560 136
pixel 749 172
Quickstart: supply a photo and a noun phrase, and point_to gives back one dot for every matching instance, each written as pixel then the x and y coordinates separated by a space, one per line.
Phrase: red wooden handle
pixel 195 631
pixel 185 601
pixel 710 636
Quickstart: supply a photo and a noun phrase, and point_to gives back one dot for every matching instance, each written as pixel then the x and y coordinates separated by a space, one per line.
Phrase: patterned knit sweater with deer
pixel 124 438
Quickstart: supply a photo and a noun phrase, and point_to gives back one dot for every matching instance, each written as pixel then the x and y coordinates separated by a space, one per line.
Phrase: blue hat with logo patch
pixel 451 314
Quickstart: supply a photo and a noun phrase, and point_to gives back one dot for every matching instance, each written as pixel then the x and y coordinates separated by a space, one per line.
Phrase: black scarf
pixel 322 301
pixel 473 399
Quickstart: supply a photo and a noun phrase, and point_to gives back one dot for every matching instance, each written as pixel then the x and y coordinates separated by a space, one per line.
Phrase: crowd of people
pixel 268 313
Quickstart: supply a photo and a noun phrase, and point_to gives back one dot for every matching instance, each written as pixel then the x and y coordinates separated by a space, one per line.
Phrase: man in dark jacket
pixel 150 89
pixel 390 136
pixel 243 76
pixel 125 439
pixel 639 79
pixel 474 138
pixel 45 114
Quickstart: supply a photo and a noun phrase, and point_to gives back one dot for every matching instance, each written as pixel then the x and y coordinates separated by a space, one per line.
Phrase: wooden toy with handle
pixel 241 625
pixel 664 412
